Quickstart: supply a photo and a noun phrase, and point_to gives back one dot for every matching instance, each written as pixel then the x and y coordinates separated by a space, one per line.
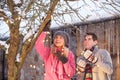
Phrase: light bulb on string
pixel 19 18
pixel 7 21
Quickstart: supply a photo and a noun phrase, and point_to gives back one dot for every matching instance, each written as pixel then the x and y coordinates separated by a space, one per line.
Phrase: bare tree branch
pixel 29 5
pixel 5 18
pixel 10 5
pixel 79 16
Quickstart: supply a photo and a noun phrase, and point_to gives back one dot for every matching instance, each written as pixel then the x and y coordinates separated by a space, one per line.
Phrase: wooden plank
pixel 110 36
pixel 100 34
pixel 107 37
pixel 78 40
pixel 82 34
pixel 118 40
pixel 105 42
pixel 114 37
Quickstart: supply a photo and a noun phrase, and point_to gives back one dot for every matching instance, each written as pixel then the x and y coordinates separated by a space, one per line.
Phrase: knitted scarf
pixel 88 72
pixel 57 66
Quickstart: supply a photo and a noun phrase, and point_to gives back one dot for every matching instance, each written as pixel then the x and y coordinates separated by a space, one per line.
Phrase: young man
pixel 95 63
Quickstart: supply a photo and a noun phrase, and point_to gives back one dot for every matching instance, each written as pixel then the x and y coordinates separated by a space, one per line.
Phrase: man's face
pixel 88 42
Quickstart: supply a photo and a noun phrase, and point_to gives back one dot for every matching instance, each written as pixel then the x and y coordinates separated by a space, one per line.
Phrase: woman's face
pixel 59 41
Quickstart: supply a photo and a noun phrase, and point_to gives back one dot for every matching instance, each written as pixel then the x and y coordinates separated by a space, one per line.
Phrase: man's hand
pixel 81 65
pixel 90 56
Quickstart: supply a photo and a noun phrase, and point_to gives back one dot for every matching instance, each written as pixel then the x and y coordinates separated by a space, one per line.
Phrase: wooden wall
pixel 109 38
pixel 108 32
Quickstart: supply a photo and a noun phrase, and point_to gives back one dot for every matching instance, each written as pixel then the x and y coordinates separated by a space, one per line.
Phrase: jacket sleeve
pixel 69 66
pixel 105 62
pixel 40 47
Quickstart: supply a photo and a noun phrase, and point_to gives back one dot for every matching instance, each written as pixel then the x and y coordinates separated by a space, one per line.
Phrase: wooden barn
pixel 108 32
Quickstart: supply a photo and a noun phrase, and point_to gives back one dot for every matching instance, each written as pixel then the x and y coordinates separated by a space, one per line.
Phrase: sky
pixel 88 10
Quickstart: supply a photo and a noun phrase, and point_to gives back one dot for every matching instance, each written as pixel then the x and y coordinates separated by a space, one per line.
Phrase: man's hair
pixel 94 36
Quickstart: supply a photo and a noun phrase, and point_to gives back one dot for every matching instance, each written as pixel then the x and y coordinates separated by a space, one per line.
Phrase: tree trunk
pixel 14 68
pixel 13 50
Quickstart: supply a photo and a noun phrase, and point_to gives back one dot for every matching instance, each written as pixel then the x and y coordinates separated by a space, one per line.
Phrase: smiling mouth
pixel 57 42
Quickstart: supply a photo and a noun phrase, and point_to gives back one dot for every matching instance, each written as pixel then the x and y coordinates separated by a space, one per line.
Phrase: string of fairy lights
pixel 11 20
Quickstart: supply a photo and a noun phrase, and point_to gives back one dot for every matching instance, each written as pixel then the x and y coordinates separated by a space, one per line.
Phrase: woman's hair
pixel 64 35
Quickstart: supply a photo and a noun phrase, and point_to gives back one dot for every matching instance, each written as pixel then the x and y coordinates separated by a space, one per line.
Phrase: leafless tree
pixel 13 21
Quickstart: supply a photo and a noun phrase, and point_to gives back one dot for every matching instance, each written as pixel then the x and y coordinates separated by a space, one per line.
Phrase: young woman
pixel 58 59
